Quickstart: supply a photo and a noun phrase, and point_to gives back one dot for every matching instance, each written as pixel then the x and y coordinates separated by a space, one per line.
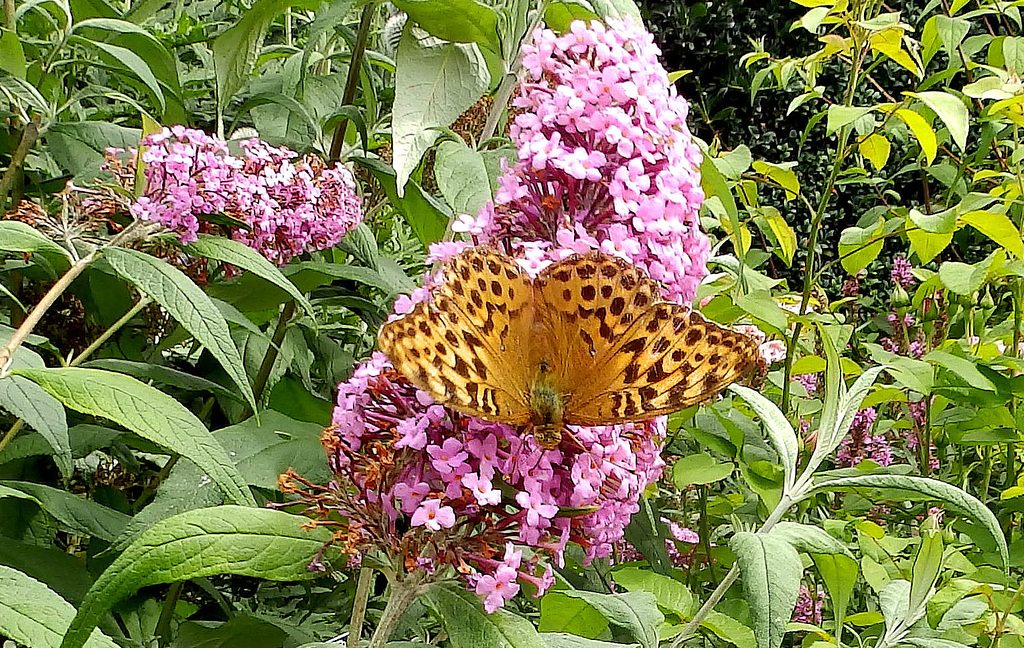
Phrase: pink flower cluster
pixel 902 272
pixel 861 444
pixel 809 607
pixel 288 205
pixel 606 161
pixel 439 488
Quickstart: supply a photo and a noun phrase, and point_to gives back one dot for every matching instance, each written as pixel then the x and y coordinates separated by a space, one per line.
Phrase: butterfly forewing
pixel 587 303
pixel 465 347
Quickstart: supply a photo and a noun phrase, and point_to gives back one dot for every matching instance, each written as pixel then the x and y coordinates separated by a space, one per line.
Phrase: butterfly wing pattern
pixel 611 349
pixel 459 346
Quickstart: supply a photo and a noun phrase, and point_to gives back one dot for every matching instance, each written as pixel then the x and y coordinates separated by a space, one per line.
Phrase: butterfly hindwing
pixel 670 359
pixel 461 347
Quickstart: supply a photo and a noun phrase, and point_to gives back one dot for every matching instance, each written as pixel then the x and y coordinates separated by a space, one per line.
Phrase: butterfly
pixel 589 341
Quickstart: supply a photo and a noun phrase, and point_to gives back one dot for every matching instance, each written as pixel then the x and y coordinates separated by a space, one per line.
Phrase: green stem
pixel 14 169
pixel 263 375
pixel 355 627
pixel 11 433
pixel 819 214
pixel 352 81
pixel 163 625
pixel 402 594
pixel 705 529
pixel 107 334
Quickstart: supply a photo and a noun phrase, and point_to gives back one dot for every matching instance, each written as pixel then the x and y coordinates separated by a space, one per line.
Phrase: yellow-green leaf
pixel 784 234
pixel 927 245
pixel 997 227
pixel 951 110
pixel 923 131
pixel 890 43
pixel 781 175
pixel 875 148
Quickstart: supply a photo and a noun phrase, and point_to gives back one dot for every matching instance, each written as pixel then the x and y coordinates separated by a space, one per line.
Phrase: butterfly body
pixel 586 342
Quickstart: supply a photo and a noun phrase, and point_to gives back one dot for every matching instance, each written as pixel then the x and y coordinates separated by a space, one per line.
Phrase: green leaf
pixel 258 543
pixel 780 431
pixel 635 612
pixel 859 246
pixel 929 490
pixel 961 367
pixel 427 217
pixel 926 245
pixel 963 278
pixel 561 613
pixel 644 532
pixel 733 164
pixel 563 640
pixel 79 516
pixel 762 306
pixel 839 573
pixel 458 21
pixel 809 539
pixel 163 376
pixel 126 59
pixel 770 570
pixel 894 602
pixel 187 304
pixel 839 116
pixel 244 257
pixel 236 50
pixel 16 236
pixel 784 234
pixel 927 563
pixel 264 449
pixel 951 110
pixel 876 149
pixel 699 468
pixel 33 615
pixel 148 412
pixel 997 227
pixel 468 626
pixel 12 55
pixel 462 177
pixel 42 412
pixel 435 83
pixel 729 629
pixel 78 146
pixel 670 593
pixel 923 131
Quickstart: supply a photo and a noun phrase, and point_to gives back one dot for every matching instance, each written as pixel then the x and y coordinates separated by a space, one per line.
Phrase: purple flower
pixel 902 272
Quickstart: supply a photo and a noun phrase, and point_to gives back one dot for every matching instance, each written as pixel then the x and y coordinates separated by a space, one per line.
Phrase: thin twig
pixel 28 140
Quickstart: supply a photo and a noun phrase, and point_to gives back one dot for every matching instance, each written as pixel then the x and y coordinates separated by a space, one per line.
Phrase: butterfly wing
pixel 463 347
pixel 624 354
pixel 669 359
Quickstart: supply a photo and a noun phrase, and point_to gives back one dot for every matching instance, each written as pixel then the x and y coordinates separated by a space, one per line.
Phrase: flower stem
pixel 355 627
pixel 402 594
pixel 263 375
pixel 114 328
pixel 352 81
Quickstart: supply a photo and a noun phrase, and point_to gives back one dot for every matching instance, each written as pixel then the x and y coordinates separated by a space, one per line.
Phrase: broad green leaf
pixel 259 543
pixel 264 449
pixel 951 110
pixel 78 515
pixel 762 306
pixel 645 532
pixel 839 573
pixel 809 539
pixel 162 375
pixel 561 613
pixel 700 468
pixel 187 304
pixel 923 131
pixel 840 116
pixel 563 640
pixel 926 245
pixel 462 177
pixel 859 246
pixel 427 216
pixel 33 615
pixel 559 15
pixel 468 626
pixel 236 50
pixel 12 55
pixel 78 147
pixel 148 412
pixel 126 59
pixel 963 278
pixel 894 602
pixel 964 368
pixel 435 83
pixel 16 236
pixel 670 593
pixel 927 564
pixel 733 164
pixel 783 175
pixel 713 183
pixel 778 428
pixel 729 629
pixel 890 43
pixel 244 257
pixel 42 412
pixel 943 222
pixel 240 630
pixel 876 149
pixel 951 32
pixel 997 227
pixel 635 612
pixel 457 21
pixel 770 570
pixel 928 490
pixel 784 234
